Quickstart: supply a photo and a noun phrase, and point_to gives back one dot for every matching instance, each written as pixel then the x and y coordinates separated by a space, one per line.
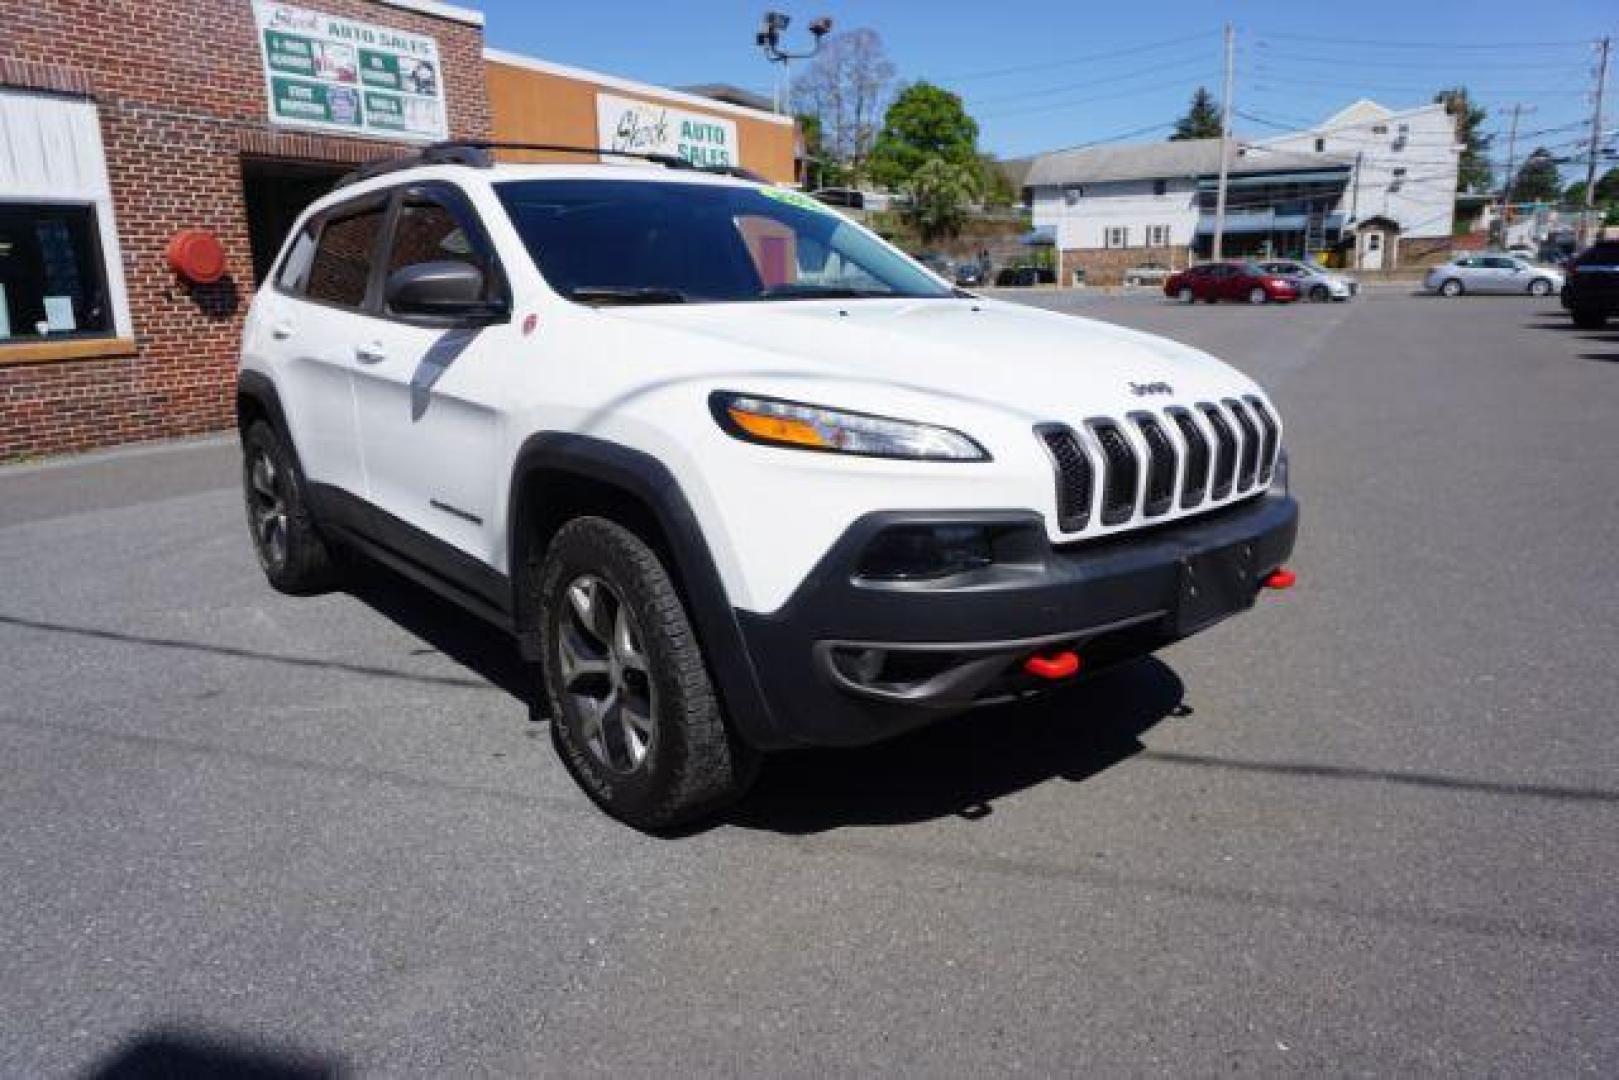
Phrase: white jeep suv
pixel 739 475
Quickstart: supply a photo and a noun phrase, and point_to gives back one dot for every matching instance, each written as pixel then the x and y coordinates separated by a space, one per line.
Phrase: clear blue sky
pixel 1040 75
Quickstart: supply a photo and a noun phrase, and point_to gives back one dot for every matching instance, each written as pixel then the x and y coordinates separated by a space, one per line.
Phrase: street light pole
pixel 769 39
pixel 1225 147
pixel 1596 139
pixel 1512 160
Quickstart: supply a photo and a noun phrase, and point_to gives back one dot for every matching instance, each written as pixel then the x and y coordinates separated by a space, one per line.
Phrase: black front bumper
pixel 848 661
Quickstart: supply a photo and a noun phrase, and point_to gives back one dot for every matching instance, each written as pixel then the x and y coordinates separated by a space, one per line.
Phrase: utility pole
pixel 1225 146
pixel 1512 161
pixel 1596 142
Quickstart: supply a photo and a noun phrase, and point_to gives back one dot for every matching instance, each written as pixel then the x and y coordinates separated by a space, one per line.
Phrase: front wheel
pixel 1186 295
pixel 633 712
pixel 1257 295
pixel 1540 287
pixel 1451 287
pixel 1319 294
pixel 294 557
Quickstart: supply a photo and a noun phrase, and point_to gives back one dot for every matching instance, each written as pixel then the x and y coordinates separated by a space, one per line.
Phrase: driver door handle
pixel 370 354
pixel 281 331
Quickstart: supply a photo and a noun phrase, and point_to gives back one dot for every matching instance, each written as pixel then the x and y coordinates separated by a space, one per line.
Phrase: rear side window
pixel 1600 255
pixel 342 266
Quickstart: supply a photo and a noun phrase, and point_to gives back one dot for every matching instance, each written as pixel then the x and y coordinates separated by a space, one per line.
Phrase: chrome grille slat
pixel 1161 463
pixel 1196 481
pixel 1269 433
pixel 1249 466
pixel 1120 475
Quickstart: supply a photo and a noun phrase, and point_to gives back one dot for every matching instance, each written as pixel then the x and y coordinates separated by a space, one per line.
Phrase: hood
pixel 1043 363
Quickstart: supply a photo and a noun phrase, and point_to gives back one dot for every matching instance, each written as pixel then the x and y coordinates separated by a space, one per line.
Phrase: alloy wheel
pixel 606 676
pixel 267 508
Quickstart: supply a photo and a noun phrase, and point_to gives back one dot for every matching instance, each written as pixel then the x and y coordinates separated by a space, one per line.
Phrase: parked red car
pixel 1229 281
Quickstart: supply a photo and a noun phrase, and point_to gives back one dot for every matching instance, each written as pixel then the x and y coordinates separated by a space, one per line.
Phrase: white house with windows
pixel 1355 190
pixel 1404 165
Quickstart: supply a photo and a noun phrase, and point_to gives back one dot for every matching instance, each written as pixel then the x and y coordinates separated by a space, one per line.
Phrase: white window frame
pixel 1157 235
pixel 1121 232
pixel 72 171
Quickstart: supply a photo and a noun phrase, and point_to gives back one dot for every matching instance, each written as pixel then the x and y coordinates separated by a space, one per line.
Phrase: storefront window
pixel 52 280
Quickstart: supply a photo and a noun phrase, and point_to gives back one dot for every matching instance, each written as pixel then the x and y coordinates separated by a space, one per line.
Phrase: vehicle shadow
pixel 174 1054
pixel 1607 337
pixel 443 627
pixel 960 767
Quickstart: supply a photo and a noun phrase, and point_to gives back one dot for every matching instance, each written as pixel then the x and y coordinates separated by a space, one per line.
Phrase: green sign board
pixel 336 74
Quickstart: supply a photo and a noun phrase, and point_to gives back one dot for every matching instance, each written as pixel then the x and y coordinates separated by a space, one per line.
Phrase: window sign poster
pixel 349 77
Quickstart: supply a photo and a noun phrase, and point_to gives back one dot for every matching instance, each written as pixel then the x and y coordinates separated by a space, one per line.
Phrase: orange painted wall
pixel 536 106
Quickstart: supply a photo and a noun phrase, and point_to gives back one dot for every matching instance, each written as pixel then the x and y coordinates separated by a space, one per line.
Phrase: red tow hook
pixel 1280 578
pixel 1057 665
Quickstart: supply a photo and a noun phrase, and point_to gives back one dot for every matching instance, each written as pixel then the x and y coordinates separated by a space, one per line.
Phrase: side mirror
pixel 443 290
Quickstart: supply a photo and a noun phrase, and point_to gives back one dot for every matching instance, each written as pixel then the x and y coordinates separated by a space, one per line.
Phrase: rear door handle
pixel 370 354
pixel 281 331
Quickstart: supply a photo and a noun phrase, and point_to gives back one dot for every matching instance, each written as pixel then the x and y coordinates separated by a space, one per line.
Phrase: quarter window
pixel 341 270
pixel 52 281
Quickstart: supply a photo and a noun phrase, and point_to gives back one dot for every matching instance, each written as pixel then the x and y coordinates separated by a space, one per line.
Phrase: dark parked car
pixel 1026 275
pixel 1229 281
pixel 1591 293
pixel 969 274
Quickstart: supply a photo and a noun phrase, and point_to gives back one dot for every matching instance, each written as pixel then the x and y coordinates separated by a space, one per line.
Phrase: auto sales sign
pixel 629 125
pixel 349 77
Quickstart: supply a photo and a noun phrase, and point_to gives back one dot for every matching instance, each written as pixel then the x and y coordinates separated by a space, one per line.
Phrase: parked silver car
pixel 1492 274
pixel 1313 282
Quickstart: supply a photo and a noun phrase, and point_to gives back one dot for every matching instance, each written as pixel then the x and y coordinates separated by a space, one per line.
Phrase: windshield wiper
pixel 625 294
pixel 800 291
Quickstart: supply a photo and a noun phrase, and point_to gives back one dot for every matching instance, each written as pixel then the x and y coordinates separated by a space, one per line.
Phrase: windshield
pixel 651 242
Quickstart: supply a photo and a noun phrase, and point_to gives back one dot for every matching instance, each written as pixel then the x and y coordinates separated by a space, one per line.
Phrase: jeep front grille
pixel 1111 472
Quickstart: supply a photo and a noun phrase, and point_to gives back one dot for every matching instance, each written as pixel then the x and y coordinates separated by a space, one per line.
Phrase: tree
pixel 845 88
pixel 939 194
pixel 995 183
pixel 1202 119
pixel 924 122
pixel 1473 167
pixel 1537 180
pixel 1608 187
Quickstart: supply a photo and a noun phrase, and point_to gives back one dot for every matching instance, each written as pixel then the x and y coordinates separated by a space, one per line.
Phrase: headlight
pixel 814 427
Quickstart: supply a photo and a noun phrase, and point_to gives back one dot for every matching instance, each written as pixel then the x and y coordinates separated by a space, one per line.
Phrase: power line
pixel 1402 64
pixel 1429 44
pixel 1156 75
pixel 1261 71
pixel 1135 91
pixel 1072 60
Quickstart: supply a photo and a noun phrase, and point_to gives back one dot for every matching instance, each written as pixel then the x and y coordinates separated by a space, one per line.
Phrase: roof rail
pixel 478 154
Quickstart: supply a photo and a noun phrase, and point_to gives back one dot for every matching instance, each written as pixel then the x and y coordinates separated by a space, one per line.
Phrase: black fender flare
pixel 650 483
pixel 257 386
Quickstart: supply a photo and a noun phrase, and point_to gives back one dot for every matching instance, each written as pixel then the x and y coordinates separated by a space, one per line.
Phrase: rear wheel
pixel 1540 287
pixel 1587 319
pixel 1451 287
pixel 633 712
pixel 1257 295
pixel 294 557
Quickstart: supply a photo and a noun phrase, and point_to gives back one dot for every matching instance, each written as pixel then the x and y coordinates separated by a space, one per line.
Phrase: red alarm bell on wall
pixel 197 256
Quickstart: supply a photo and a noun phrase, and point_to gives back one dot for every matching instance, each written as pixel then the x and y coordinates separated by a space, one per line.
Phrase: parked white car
pixel 1492 274
pixel 1313 282
pixel 736 473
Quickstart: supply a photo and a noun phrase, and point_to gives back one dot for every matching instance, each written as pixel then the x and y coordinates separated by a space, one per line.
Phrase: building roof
pixel 1164 160
pixel 734 95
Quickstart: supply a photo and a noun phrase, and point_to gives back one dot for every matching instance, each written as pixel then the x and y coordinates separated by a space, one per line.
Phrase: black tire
pixel 295 558
pixel 1451 287
pixel 1540 287
pixel 691 764
pixel 1586 319
pixel 1319 294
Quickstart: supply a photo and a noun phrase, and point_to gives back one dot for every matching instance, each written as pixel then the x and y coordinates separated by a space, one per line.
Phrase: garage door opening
pixel 276 192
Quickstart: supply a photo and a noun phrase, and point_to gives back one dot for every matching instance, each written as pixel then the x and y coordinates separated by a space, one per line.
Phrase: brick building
pixel 126 122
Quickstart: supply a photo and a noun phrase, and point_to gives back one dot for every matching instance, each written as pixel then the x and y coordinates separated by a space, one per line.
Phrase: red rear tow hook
pixel 1057 665
pixel 1280 578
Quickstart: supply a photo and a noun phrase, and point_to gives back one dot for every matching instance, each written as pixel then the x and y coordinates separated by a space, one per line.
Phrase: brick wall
pixel 1106 266
pixel 180 92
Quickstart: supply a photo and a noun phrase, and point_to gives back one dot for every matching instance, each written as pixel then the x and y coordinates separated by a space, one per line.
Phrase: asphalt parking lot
pixel 1372 827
